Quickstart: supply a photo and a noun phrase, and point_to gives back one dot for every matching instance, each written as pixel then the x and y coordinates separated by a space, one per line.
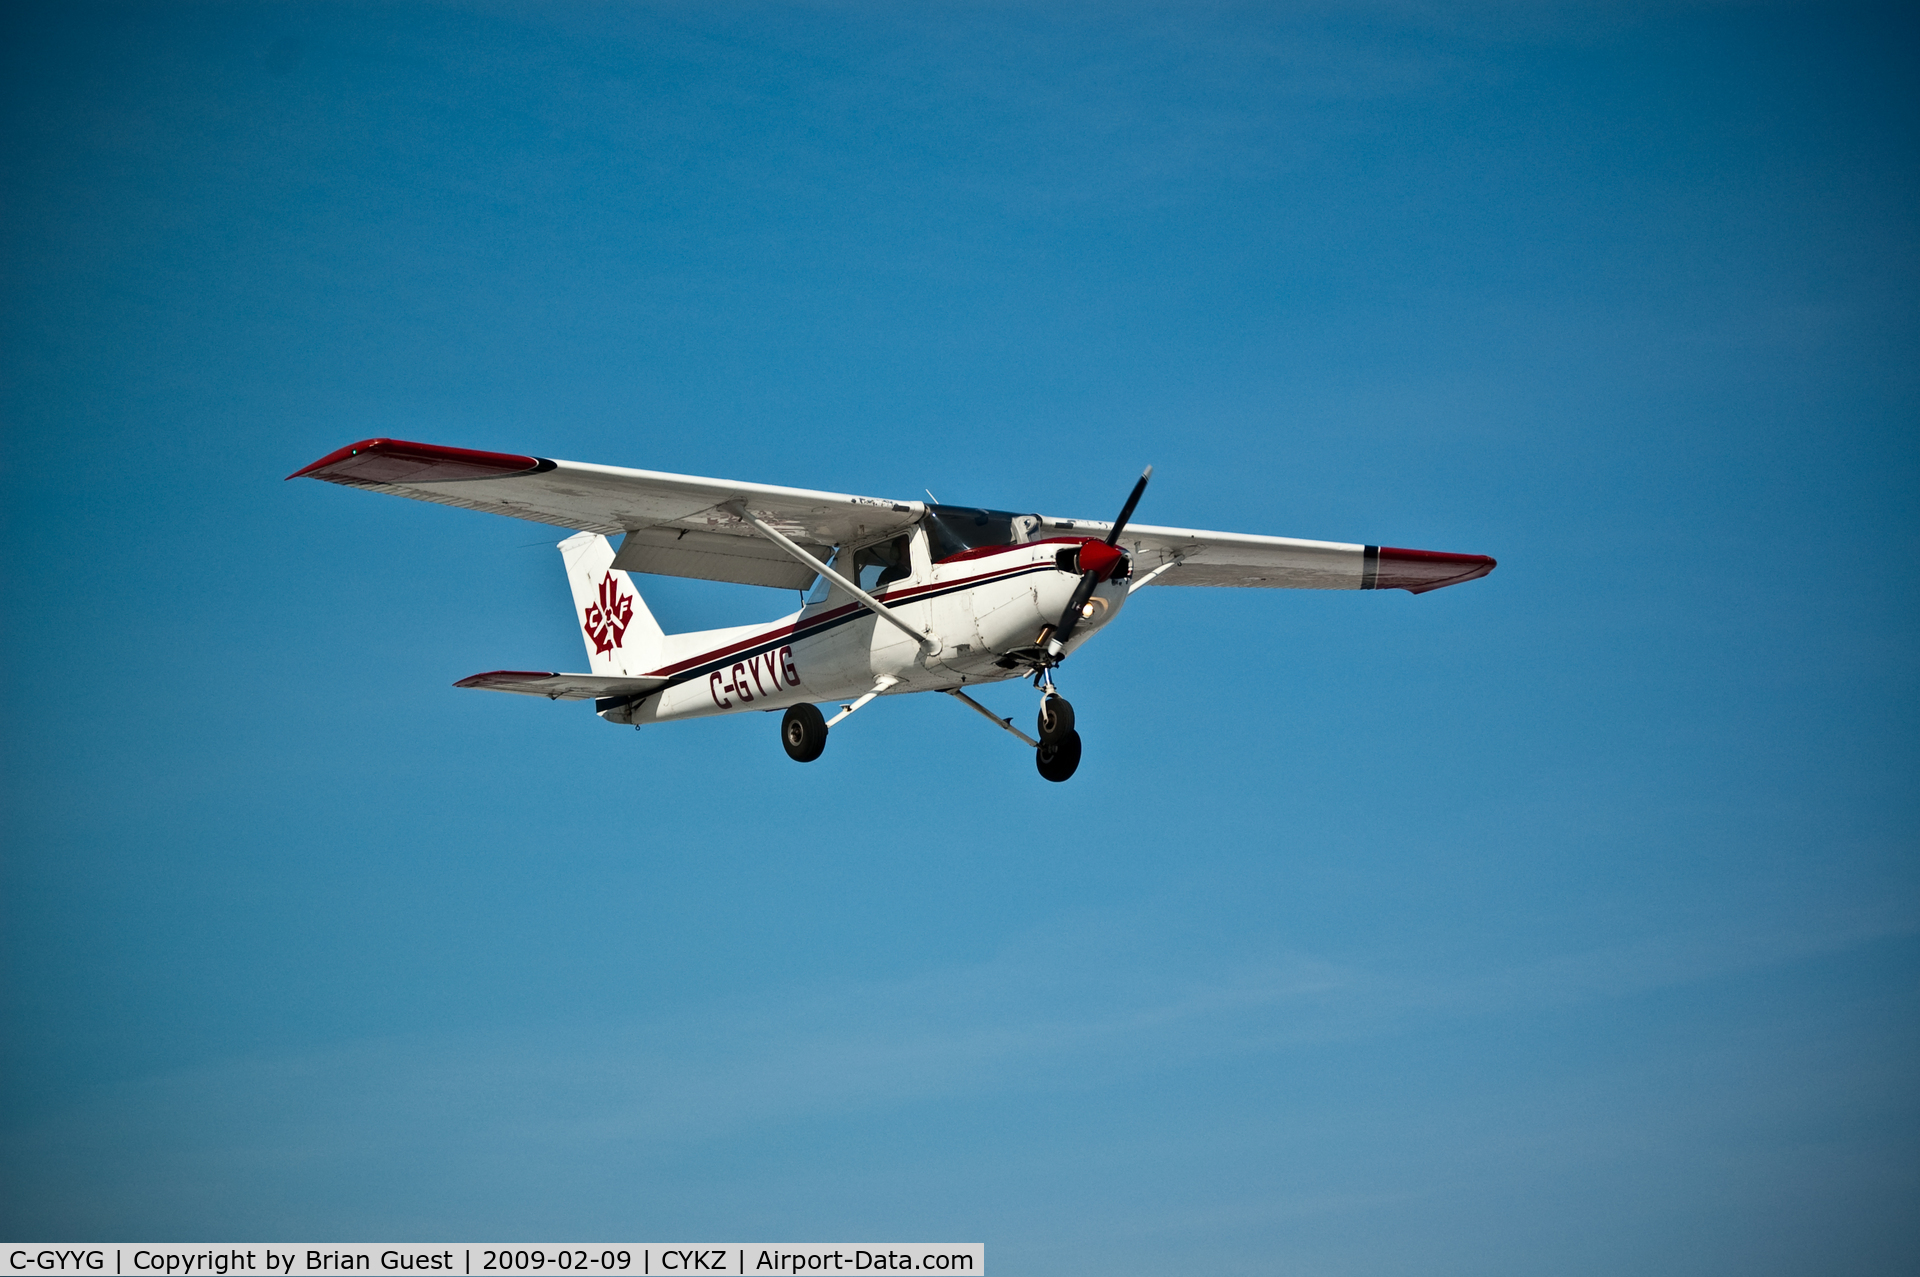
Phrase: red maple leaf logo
pixel 607 620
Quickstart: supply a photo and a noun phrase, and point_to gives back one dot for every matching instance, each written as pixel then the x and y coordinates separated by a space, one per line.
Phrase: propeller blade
pixel 1090 579
pixel 1057 645
pixel 1126 511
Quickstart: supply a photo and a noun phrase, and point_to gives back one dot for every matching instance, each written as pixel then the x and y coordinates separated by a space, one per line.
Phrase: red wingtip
pixel 398 461
pixel 1418 571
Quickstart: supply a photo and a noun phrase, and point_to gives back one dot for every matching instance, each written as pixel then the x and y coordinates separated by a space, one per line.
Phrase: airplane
pixel 899 596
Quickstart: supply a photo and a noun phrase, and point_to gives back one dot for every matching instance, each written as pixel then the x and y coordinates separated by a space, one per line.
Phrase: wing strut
pixel 874 605
pixel 1174 562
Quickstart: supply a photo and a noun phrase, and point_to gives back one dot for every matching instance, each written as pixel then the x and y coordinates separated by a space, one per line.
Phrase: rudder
pixel 621 635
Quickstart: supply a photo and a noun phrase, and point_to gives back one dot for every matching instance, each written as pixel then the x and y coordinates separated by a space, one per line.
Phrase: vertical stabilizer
pixel 621 635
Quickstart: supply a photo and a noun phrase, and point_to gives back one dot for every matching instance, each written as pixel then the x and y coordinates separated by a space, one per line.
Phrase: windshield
pixel 955 529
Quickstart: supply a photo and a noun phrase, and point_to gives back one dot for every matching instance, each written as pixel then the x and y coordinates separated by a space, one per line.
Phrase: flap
pixel 711 556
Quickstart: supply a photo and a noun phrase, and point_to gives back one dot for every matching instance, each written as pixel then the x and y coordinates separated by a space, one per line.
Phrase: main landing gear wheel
pixel 1056 721
pixel 804 733
pixel 1058 760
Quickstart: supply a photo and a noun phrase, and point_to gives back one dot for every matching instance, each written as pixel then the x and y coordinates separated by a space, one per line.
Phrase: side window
pixel 817 592
pixel 881 565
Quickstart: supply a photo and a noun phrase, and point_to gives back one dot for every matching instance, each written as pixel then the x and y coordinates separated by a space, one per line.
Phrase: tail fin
pixel 623 639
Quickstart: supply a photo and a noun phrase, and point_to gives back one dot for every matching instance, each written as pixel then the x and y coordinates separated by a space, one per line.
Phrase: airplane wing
pixel 1193 557
pixel 673 523
pixel 559 687
pixel 675 526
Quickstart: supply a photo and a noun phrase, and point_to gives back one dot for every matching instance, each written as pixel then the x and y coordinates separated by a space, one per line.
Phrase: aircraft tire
pixel 1056 719
pixel 1059 760
pixel 803 732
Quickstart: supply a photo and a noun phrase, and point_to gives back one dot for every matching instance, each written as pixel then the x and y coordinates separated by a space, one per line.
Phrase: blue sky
pixel 1565 921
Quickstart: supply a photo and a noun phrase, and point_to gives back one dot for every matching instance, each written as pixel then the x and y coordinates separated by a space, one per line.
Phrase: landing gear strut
pixel 1057 752
pixel 804 733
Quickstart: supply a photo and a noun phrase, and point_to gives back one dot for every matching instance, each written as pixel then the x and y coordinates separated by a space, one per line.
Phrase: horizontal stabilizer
pixel 560 687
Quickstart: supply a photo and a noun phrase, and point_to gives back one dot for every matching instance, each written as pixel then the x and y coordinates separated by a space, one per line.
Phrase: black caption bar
pixel 469 1259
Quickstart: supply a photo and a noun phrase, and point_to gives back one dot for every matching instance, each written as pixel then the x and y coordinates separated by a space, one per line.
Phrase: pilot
pixel 897 560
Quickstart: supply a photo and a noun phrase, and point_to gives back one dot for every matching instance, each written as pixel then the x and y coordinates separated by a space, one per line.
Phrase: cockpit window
pixel 955 529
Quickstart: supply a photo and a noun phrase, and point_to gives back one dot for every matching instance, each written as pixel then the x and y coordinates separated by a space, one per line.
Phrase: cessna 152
pixel 901 596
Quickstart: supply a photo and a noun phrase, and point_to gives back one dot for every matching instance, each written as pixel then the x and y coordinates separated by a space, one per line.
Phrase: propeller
pixel 1097 562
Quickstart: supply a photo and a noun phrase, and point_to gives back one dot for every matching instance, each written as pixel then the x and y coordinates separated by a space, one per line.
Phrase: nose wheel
pixel 1059 753
pixel 1059 760
pixel 1056 719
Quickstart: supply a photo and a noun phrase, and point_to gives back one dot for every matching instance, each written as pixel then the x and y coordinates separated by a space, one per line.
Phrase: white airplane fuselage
pixel 976 609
